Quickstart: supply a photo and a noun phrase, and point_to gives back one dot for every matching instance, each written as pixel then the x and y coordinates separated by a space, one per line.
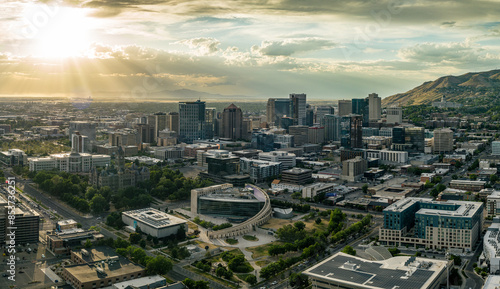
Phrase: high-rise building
pixel 79 143
pixel 443 140
pixel 84 127
pixel 344 107
pixel 160 123
pixel 351 133
pixel 298 108
pixel 321 111
pixel 146 132
pixel 375 107
pixel 309 116
pixel 394 115
pixel 270 111
pixel 316 135
pixel 276 109
pixel 232 122
pixel 210 122
pixel 360 106
pixel 415 136
pixel 300 133
pixel 173 122
pixel 331 123
pixel 191 121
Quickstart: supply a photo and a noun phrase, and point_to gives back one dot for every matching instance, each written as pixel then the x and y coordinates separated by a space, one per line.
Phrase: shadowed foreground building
pixel 349 272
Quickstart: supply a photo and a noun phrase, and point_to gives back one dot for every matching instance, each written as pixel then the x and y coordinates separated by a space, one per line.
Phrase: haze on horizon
pixel 165 50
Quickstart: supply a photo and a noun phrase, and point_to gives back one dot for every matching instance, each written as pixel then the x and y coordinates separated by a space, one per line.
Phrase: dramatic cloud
pixel 203 45
pixel 329 49
pixel 292 46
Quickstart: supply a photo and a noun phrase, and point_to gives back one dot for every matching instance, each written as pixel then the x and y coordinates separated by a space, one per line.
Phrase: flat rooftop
pixel 465 209
pixel 96 254
pixel 233 195
pixel 89 272
pixel 140 282
pixel 154 218
pixel 397 272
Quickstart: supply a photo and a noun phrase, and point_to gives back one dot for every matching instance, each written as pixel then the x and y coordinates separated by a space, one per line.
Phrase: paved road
pixel 473 281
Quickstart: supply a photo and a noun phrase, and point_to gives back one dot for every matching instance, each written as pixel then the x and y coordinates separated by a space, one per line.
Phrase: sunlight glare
pixel 65 35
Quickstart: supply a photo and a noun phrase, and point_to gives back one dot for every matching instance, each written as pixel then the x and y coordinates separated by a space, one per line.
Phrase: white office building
pixel 288 160
pixel 154 222
pixel 259 170
pixel 69 162
pixel 395 115
pixel 393 157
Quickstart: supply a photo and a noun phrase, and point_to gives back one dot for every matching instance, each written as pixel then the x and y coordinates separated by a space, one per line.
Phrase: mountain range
pixel 454 88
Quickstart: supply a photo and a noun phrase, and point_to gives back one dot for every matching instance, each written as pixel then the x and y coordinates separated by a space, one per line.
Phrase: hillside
pixel 455 88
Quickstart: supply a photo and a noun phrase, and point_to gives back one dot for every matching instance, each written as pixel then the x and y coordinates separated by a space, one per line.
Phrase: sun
pixel 65 34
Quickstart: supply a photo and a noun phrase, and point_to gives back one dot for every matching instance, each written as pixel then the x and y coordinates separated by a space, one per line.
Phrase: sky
pixel 245 50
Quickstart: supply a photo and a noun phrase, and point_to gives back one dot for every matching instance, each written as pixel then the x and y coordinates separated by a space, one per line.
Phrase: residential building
pixel 432 224
pixel 493 204
pixel 491 247
pixel 154 222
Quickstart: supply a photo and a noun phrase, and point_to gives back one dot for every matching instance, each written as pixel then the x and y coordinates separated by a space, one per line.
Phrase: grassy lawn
pixel 121 235
pixel 263 263
pixel 214 278
pixel 192 226
pixel 203 244
pixel 243 276
pixel 232 241
pixel 250 238
pixel 261 251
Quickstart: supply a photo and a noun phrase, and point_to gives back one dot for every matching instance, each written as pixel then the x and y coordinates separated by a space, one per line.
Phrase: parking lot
pixel 28 265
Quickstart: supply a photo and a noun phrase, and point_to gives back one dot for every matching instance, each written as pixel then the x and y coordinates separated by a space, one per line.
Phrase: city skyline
pixel 152 50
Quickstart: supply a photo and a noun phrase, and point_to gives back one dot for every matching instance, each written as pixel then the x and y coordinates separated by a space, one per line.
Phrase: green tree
pixel 251 279
pixel 98 204
pixel 158 265
pixel 134 238
pixel 349 250
pixel 88 244
pixel 318 220
pixel 365 189
pixel 142 243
